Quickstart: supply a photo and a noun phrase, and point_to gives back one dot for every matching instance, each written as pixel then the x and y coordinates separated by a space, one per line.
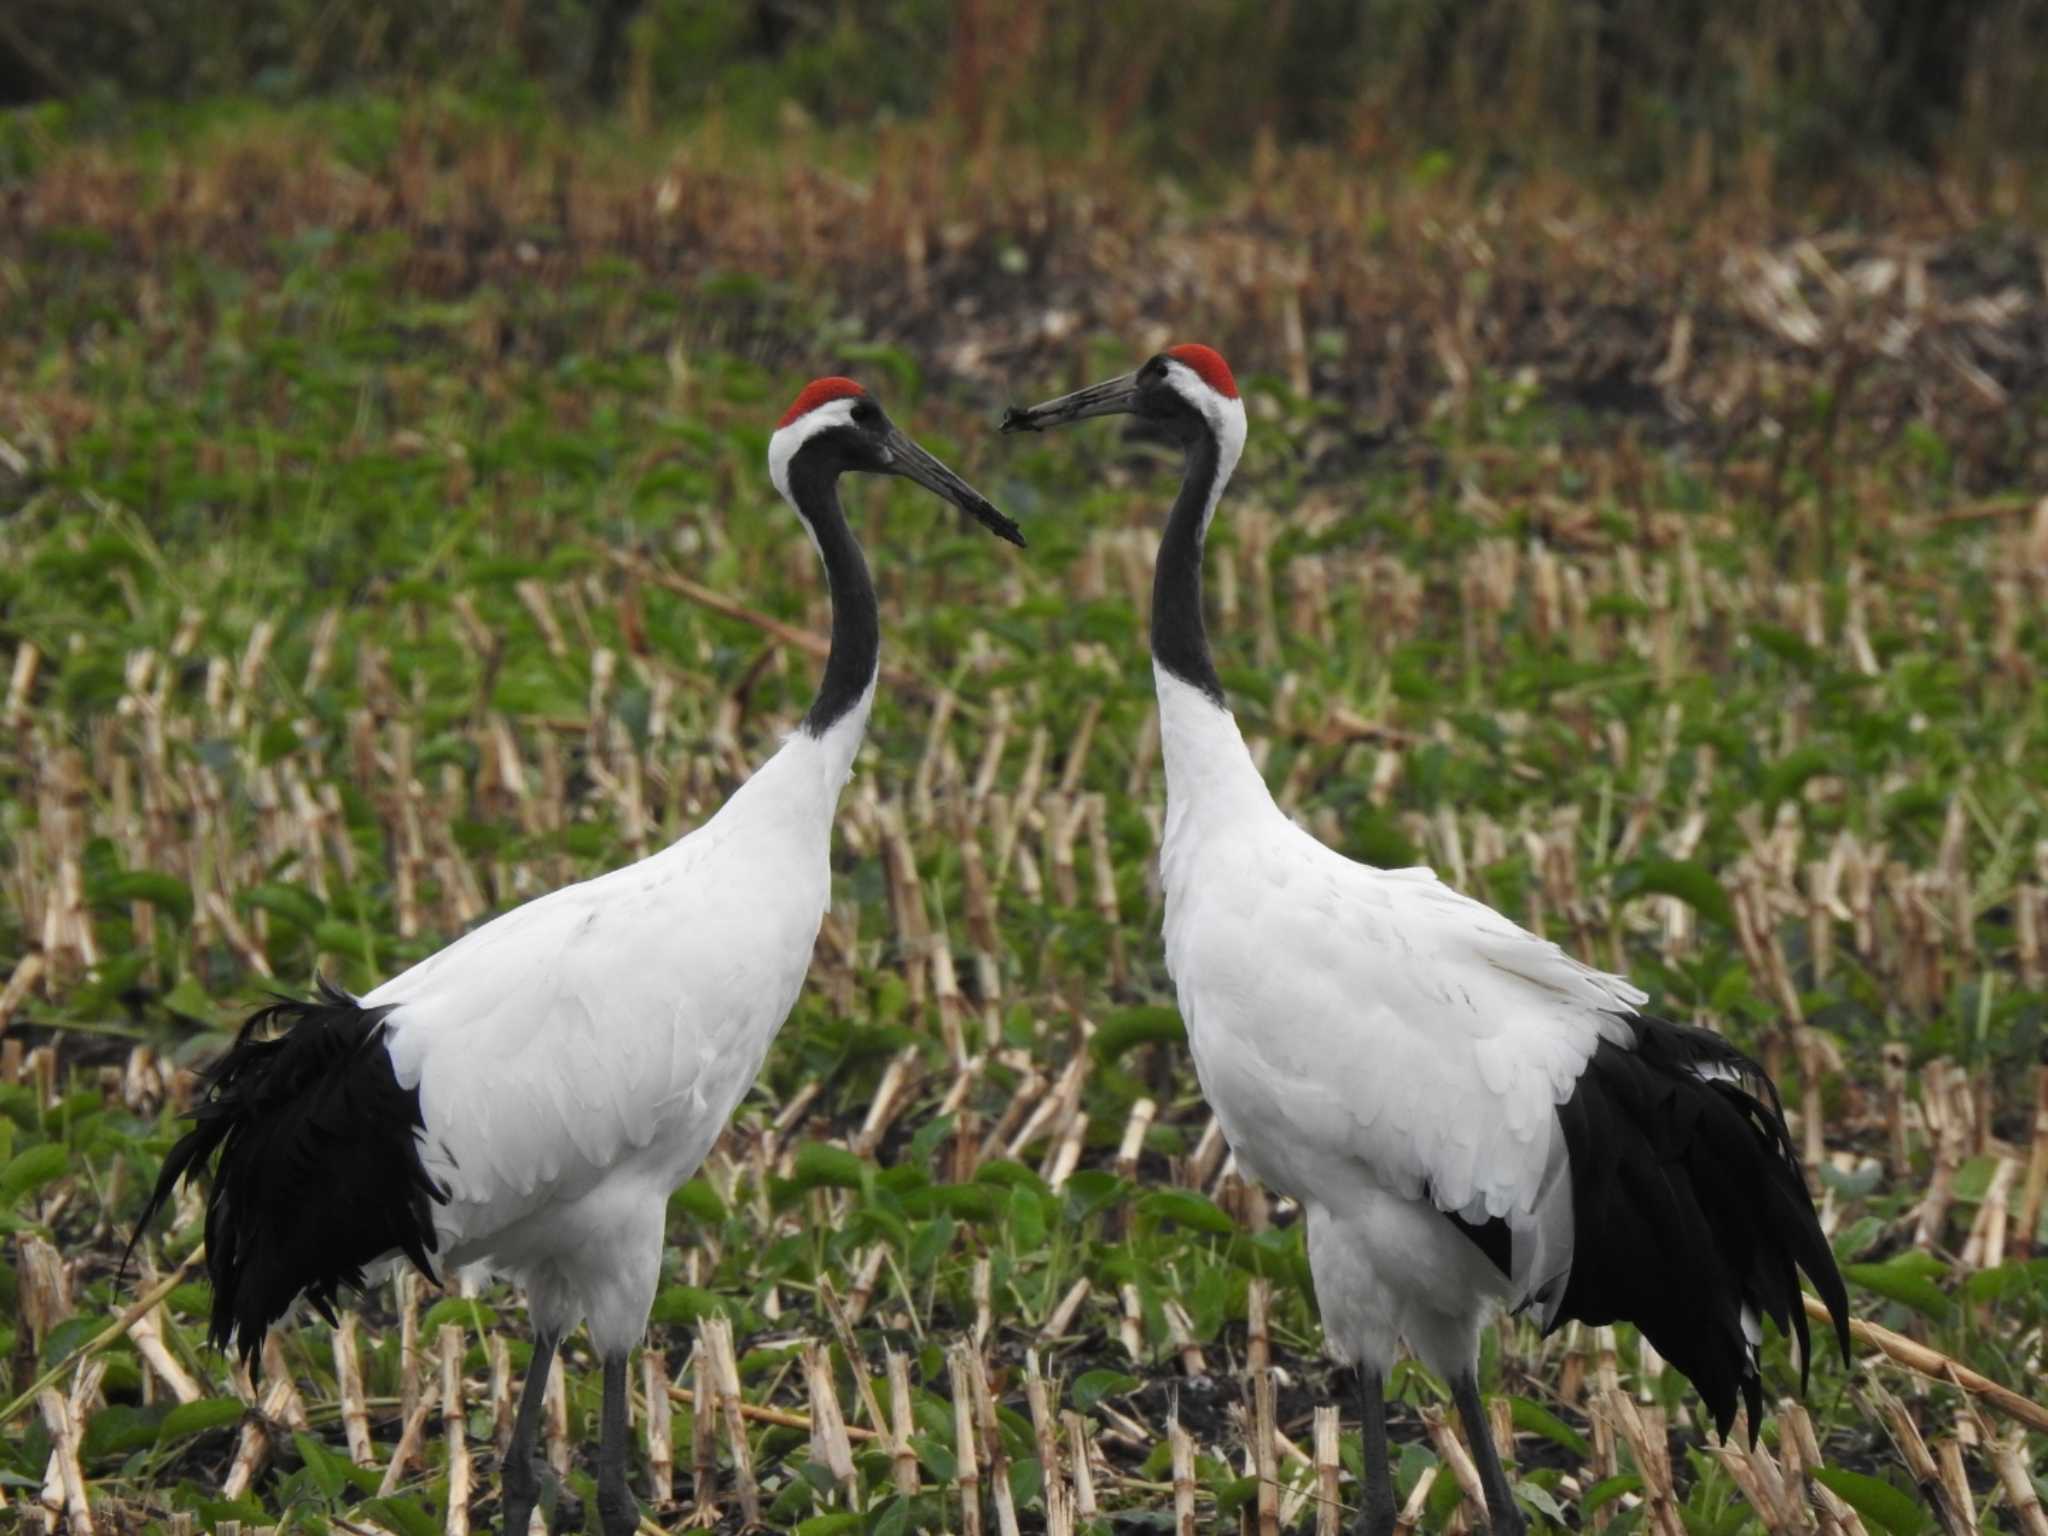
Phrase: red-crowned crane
pixel 1468 1117
pixel 528 1098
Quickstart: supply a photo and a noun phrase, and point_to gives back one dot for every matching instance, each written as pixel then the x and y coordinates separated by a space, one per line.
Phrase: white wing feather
pixel 620 1018
pixel 1352 1024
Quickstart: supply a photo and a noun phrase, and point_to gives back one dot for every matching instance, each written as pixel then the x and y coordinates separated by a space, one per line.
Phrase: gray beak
pixel 913 463
pixel 1112 397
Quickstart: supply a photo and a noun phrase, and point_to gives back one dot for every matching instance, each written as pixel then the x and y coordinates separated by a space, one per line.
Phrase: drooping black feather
pixel 1688 1203
pixel 318 1170
pixel 1492 1237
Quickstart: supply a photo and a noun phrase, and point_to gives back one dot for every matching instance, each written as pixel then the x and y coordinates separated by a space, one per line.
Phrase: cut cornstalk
pixel 1062 1318
pixel 254 1447
pixel 661 1451
pixel 829 1443
pixel 993 1451
pixel 1182 1448
pixel 966 1466
pixel 1265 1465
pixel 1084 1472
pixel 64 1441
pixel 147 1333
pixel 716 1336
pixel 1329 1467
pixel 902 1423
pixel 453 1415
pixel 703 1434
pixel 1410 1517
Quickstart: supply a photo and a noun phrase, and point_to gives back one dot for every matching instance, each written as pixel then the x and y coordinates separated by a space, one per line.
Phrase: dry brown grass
pixel 1727 325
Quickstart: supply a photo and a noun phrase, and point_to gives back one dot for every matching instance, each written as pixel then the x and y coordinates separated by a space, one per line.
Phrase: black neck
pixel 1180 643
pixel 856 624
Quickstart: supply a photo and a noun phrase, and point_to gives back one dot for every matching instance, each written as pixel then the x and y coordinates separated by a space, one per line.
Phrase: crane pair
pixel 1469 1118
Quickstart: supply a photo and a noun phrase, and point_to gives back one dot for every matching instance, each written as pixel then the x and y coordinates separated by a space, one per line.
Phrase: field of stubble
pixel 384 538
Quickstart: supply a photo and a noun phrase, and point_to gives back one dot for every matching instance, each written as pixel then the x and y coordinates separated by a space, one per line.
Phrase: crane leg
pixel 1503 1516
pixel 519 1477
pixel 1377 1518
pixel 618 1513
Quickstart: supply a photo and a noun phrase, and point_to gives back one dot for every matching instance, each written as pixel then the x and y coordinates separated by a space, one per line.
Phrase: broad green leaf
pixel 683 1306
pixel 2017 1278
pixel 1230 1496
pixel 819 1163
pixel 1186 1208
pixel 193 1299
pixel 1540 1499
pixel 1026 1219
pixel 1783 643
pixel 325 1466
pixel 1875 1500
pixel 1128 1028
pixel 1003 1170
pixel 343 939
pixel 1538 1420
pixel 30 1169
pixel 974 1202
pixel 1973 1179
pixel 301 908
pixel 1609 1489
pixel 698 1200
pixel 167 893
pixel 462 1311
pixel 195 1417
pixel 409 1516
pixel 1906 1280
pixel 120 1428
pixel 1789 774
pixel 1687 879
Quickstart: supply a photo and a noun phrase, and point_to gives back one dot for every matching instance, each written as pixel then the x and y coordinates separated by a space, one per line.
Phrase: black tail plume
pixel 1690 1205
pixel 318 1169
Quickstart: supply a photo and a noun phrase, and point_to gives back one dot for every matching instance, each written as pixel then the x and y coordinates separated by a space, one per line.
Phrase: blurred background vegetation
pixel 1634 92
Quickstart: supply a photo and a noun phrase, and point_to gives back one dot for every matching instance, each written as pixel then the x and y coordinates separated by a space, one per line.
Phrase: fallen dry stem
pixel 782 1418
pixel 1939 1367
pixel 107 1335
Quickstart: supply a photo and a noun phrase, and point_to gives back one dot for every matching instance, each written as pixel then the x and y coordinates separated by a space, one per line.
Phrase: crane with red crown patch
pixel 1472 1119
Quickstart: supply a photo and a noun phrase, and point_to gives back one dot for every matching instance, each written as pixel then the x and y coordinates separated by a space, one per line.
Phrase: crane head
pixel 835 427
pixel 1187 390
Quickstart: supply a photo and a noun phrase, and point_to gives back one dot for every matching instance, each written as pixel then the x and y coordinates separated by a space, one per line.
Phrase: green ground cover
pixel 361 576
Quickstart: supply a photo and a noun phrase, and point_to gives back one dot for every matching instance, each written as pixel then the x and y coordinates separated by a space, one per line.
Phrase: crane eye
pixel 867 413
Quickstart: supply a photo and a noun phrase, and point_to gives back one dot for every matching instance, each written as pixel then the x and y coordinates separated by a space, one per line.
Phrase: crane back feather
pixel 1372 1039
pixel 315 1160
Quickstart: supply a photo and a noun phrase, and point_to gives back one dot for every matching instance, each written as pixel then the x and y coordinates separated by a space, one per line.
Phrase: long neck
pixel 1180 642
pixel 1207 764
pixel 846 689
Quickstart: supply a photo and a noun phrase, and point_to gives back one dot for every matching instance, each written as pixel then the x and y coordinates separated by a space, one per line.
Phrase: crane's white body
pixel 577 1057
pixel 1467 1116
pixel 1377 1046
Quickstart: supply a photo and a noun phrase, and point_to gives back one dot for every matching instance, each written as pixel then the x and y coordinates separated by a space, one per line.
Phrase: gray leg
pixel 617 1512
pixel 1377 1517
pixel 520 1474
pixel 1503 1515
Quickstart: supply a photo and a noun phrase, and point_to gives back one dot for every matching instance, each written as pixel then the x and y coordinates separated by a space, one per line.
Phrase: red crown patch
pixel 1208 365
pixel 823 391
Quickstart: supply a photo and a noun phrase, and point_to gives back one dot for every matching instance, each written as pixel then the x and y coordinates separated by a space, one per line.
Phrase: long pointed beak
pixel 913 463
pixel 1112 397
